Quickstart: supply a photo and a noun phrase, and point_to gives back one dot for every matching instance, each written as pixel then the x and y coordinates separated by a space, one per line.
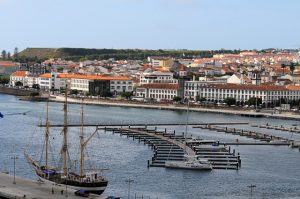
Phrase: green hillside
pixel 41 53
pixel 83 53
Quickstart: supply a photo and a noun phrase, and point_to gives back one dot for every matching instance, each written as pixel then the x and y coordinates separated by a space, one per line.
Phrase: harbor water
pixel 274 170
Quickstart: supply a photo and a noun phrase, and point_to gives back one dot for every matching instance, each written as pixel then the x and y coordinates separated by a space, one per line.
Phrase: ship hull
pixel 95 190
pixel 184 165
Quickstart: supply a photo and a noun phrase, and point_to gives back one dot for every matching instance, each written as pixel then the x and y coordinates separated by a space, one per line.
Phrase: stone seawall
pixel 14 91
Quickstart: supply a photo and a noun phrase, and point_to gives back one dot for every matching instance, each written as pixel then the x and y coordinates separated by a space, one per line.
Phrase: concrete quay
pixel 241 112
pixel 25 188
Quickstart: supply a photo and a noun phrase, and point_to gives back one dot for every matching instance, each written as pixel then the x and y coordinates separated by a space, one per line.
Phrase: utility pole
pixel 251 189
pixel 129 181
pixel 14 158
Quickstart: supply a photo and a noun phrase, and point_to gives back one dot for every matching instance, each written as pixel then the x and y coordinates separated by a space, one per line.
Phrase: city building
pixel 157 77
pixel 8 67
pixel 242 93
pixel 158 92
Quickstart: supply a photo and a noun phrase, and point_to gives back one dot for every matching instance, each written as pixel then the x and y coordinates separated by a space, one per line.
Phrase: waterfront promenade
pixel 241 112
pixel 24 188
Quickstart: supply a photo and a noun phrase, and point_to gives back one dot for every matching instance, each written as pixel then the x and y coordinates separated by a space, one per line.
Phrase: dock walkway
pixel 25 188
pixel 171 146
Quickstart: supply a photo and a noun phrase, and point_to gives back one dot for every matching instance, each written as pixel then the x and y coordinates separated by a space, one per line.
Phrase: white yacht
pixel 191 163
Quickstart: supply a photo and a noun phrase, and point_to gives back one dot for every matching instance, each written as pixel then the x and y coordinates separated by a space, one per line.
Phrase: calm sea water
pixel 274 170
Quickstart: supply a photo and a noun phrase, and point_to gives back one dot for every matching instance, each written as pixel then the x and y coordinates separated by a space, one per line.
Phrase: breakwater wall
pixel 14 91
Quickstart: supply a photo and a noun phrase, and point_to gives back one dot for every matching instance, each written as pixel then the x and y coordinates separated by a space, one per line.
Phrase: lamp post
pixel 251 189
pixel 14 158
pixel 129 181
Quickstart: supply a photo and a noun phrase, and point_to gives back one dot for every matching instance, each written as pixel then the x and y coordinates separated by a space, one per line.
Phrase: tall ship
pixel 91 182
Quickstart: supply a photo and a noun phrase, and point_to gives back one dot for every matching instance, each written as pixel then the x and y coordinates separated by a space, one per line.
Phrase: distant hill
pixel 41 53
pixel 78 53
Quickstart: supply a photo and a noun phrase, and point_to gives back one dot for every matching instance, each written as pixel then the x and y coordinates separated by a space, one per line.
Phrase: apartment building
pixel 242 93
pixel 157 78
pixel 158 92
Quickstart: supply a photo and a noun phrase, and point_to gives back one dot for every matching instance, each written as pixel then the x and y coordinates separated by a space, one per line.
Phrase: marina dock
pixel 265 138
pixel 171 146
pixel 25 188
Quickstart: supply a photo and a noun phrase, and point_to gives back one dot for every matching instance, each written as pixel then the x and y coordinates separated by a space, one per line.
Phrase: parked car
pixel 82 193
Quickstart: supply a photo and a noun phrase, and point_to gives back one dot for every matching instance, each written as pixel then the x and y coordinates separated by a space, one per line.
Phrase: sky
pixel 150 24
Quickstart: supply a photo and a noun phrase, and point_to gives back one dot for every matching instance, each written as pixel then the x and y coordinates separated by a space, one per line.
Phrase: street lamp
pixel 251 189
pixel 14 158
pixel 129 181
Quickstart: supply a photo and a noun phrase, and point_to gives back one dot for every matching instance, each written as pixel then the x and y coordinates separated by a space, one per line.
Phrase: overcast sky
pixel 151 24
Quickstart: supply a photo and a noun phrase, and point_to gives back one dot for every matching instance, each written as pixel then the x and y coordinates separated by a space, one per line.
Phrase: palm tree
pixel 283 66
pixel 292 67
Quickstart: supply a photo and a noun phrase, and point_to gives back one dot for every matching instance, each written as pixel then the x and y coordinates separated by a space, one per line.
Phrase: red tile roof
pixel 251 87
pixel 19 74
pixel 7 63
pixel 90 77
pixel 161 86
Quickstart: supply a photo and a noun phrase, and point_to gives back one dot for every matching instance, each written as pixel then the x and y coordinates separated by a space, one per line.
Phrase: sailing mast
pixel 82 145
pixel 65 130
pixel 47 136
pixel 186 124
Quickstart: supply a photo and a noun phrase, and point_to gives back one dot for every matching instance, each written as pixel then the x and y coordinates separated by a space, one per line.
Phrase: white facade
pixel 158 92
pixel 268 94
pixel 238 79
pixel 157 78
pixel 80 84
pixel 119 86
pixel 192 89
pixel 14 79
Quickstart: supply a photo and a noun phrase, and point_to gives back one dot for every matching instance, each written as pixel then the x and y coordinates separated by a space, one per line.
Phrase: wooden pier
pixel 144 124
pixel 293 129
pixel 268 139
pixel 25 188
pixel 171 146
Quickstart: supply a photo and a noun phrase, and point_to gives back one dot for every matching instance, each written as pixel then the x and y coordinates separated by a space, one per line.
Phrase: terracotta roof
pixel 7 63
pixel 90 77
pixel 249 87
pixel 161 86
pixel 19 74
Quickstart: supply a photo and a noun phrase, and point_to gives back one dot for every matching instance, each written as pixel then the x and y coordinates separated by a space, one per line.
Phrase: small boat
pixel 192 163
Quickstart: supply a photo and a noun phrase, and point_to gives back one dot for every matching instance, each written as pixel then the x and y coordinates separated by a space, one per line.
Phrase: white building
pixel 238 79
pixel 242 93
pixel 18 76
pixel 158 92
pixel 157 78
pixel 192 89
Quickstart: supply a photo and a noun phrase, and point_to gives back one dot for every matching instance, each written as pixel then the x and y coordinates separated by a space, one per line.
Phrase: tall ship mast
pixel 90 182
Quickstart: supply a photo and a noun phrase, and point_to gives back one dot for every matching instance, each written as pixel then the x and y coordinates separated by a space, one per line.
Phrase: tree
pixel 254 101
pixel 8 55
pixel 127 95
pixel 36 86
pixel 292 67
pixel 200 99
pixel 16 52
pixel 283 66
pixel 177 99
pixel 74 92
pixel 3 54
pixel 18 83
pixel 4 79
pixel 230 101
